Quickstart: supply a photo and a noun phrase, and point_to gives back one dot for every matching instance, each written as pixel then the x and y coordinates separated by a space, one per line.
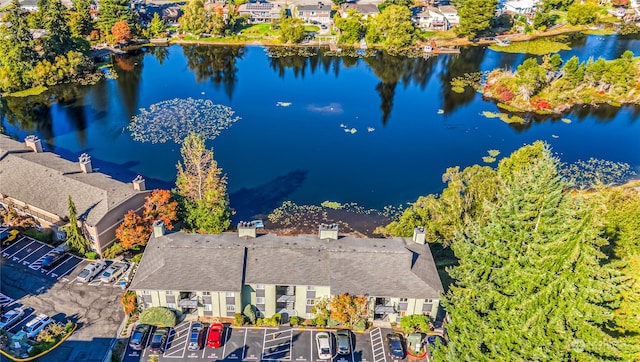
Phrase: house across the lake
pixel 219 274
pixel 315 14
pixel 38 183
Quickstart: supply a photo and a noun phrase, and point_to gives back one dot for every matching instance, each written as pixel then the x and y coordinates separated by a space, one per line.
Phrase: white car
pixel 10 317
pixel 91 270
pixel 113 272
pixel 324 345
pixel 36 325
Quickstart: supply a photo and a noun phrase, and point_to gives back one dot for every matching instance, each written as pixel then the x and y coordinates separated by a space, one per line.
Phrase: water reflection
pixel 216 64
pixel 468 61
pixel 129 69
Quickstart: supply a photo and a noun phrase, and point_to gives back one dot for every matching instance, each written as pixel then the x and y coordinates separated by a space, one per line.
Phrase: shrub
pixel 320 321
pixel 69 326
pixel 113 250
pixel 360 325
pixel 415 323
pixel 136 258
pixel 250 313
pixel 310 322
pixel 294 321
pixel 277 318
pixel 238 319
pixel 45 236
pixel 91 255
pixel 259 321
pixel 158 316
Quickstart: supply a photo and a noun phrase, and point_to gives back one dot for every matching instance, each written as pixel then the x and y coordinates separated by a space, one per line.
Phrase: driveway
pixel 95 306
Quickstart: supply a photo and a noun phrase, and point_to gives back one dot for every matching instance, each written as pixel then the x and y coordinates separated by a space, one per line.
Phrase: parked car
pixel 36 325
pixel 54 257
pixel 343 341
pixel 214 336
pixel 8 236
pixel 159 340
pixel 324 345
pixel 10 317
pixel 195 336
pixel 140 337
pixel 113 272
pixel 91 270
pixel 396 346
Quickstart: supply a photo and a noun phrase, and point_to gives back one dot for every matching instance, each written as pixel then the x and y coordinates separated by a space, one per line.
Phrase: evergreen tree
pixel 201 188
pixel 531 283
pixel 156 27
pixel 75 237
pixel 112 11
pixel 54 19
pixel 194 18
pixel 17 54
pixel 475 16
pixel 393 27
pixel 80 21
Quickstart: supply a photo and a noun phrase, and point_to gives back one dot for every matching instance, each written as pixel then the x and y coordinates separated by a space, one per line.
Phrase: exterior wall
pixel 104 232
pixel 322 17
pixel 270 300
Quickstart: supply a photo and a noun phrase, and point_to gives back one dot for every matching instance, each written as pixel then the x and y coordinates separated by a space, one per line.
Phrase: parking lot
pixel 268 344
pixel 94 306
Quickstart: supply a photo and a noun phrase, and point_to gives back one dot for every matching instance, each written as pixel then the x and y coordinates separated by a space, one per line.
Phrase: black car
pixel 159 340
pixel 140 337
pixel 396 346
pixel 343 341
pixel 53 257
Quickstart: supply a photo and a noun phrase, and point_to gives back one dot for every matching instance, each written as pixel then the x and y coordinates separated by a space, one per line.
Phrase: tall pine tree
pixel 75 237
pixel 531 283
pixel 475 16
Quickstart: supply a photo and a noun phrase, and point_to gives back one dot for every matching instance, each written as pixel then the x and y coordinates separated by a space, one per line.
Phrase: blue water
pixel 301 152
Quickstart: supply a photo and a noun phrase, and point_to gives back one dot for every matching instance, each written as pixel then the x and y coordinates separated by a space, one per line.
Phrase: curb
pixel 41 353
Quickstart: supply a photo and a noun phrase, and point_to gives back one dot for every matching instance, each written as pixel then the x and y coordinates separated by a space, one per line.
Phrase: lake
pixel 377 131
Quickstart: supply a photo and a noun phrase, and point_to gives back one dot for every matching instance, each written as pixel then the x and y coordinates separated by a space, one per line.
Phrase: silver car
pixel 113 272
pixel 91 270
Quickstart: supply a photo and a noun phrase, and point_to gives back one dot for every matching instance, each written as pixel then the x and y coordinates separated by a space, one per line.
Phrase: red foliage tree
pixel 134 230
pixel 160 207
pixel 129 302
pixel 121 31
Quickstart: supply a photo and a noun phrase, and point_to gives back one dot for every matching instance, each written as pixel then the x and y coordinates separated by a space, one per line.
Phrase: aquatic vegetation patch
pixel 503 117
pixel 29 92
pixel 535 47
pixel 488 159
pixel 493 153
pixel 589 173
pixel 566 120
pixel 176 118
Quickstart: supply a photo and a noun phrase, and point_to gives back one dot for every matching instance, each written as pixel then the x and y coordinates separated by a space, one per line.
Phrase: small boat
pixel 503 43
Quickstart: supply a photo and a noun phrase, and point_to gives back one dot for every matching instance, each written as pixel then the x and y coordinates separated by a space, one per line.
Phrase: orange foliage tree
pixel 129 302
pixel 347 308
pixel 121 31
pixel 136 229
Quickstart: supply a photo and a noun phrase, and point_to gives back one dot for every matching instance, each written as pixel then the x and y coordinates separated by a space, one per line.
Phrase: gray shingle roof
pixel 45 181
pixel 316 7
pixel 376 267
pixel 361 8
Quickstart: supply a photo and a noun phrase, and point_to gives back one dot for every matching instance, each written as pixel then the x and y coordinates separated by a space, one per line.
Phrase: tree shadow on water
pixel 249 202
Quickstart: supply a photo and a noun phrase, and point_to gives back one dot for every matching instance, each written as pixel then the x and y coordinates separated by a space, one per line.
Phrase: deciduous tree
pixel 194 18
pixel 202 188
pixel 475 16
pixel 121 31
pixel 393 27
pixel 291 30
pixel 134 230
pixel 345 308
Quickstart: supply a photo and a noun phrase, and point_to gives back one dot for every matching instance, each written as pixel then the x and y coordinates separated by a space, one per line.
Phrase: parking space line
pixel 24 317
pixel 11 256
pixel 70 269
pixel 31 253
pixel 182 336
pixel 380 345
pixel 50 272
pixel 244 344
pixel 5 300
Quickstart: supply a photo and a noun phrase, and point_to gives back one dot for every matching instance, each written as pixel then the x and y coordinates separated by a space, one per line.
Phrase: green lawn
pixel 259 30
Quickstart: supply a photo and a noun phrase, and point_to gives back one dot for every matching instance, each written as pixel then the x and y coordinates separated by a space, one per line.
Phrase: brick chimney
pixel 328 231
pixel 139 184
pixel 158 228
pixel 34 143
pixel 247 229
pixel 85 163
pixel 419 235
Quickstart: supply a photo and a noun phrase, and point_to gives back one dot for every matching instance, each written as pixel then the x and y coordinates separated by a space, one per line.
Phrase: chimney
pixel 158 228
pixel 34 143
pixel 138 184
pixel 85 163
pixel 328 231
pixel 246 229
pixel 419 235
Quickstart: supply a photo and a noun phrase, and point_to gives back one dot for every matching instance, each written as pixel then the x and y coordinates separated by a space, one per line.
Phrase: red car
pixel 214 337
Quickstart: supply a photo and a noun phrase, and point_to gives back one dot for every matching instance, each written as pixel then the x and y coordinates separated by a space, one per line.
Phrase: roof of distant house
pixel 45 180
pixel 224 262
pixel 361 8
pixel 316 7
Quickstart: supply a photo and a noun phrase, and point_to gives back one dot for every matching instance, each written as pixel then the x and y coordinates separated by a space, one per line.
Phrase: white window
pixel 259 300
pixel 311 301
pixel 403 300
pixel 171 305
pixel 169 292
pixel 428 301
pixel 231 294
pixel 145 292
pixel 311 288
pixel 231 308
pixel 259 286
pixel 208 308
pixel 206 293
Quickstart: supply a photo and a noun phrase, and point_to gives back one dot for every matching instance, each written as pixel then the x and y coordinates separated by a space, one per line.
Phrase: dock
pixel 433 48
